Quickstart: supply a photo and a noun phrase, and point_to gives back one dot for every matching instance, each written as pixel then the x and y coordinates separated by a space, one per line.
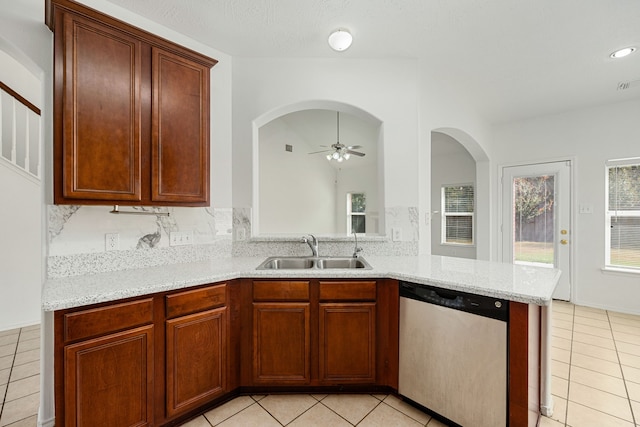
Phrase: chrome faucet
pixel 357 248
pixel 312 241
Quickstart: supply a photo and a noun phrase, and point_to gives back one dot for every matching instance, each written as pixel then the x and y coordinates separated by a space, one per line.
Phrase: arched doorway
pixel 459 165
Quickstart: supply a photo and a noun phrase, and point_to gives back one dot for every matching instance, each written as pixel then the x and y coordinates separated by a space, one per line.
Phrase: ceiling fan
pixel 340 152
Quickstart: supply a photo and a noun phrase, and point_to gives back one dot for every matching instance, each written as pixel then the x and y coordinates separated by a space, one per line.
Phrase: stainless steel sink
pixel 307 263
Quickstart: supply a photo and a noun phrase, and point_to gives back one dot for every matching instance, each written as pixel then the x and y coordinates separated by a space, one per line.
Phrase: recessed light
pixel 621 53
pixel 340 40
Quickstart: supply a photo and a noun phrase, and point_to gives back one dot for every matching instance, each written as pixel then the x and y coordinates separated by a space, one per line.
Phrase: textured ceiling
pixel 513 58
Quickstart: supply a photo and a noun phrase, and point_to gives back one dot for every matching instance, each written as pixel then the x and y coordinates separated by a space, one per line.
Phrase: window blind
pixel 458 208
pixel 623 215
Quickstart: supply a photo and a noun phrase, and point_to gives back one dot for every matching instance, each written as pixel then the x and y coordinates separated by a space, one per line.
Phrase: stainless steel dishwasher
pixel 453 354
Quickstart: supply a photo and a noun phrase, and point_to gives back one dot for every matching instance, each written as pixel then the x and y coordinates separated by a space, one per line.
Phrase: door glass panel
pixel 533 216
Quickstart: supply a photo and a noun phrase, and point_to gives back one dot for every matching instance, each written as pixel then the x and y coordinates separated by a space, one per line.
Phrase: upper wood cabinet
pixel 131 113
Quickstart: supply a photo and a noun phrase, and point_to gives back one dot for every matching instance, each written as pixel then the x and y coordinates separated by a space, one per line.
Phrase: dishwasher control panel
pixel 481 305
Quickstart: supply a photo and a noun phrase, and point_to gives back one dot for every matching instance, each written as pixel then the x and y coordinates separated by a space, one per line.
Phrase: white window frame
pixel 350 213
pixel 445 214
pixel 609 214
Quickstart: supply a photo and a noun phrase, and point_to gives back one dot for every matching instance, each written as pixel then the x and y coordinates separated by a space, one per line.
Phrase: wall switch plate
pixel 241 234
pixel 112 241
pixel 180 238
pixel 396 234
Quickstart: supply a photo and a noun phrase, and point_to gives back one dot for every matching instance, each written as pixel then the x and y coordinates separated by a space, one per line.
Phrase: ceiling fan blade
pixel 356 153
pixel 323 151
pixel 353 147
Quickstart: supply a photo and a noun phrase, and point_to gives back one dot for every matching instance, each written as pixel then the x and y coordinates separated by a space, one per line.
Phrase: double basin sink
pixel 308 263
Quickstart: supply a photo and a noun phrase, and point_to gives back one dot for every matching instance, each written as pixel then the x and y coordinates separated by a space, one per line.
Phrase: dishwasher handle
pixel 432 295
pixel 446 299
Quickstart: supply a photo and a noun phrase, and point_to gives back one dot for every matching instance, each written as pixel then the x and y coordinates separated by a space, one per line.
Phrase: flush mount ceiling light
pixel 340 40
pixel 621 53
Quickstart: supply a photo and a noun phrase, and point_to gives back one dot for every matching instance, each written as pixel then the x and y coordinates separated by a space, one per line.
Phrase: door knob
pixel 564 241
pixel 563 231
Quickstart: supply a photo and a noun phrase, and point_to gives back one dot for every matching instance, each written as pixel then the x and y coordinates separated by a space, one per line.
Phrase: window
pixel 356 216
pixel 623 214
pixel 457 214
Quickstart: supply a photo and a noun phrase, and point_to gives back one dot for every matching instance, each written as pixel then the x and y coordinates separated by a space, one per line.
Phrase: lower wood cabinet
pixel 196 359
pixel 347 343
pixel 142 362
pixel 281 343
pixel 109 380
pixel 105 359
pixel 160 359
pixel 314 333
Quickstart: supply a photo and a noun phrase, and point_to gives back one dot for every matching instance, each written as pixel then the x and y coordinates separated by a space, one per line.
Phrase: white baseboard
pixel 51 422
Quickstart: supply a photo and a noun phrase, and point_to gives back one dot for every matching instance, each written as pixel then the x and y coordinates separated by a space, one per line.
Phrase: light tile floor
pixel 595 368
pixel 20 376
pixel 595 382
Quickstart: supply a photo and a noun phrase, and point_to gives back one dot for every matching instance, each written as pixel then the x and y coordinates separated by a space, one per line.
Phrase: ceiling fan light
pixel 329 157
pixel 340 159
pixel 340 40
pixel 335 155
pixel 346 156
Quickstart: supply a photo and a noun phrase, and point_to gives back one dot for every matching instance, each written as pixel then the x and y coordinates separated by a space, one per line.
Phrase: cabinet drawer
pixel 104 320
pixel 196 300
pixel 348 291
pixel 280 291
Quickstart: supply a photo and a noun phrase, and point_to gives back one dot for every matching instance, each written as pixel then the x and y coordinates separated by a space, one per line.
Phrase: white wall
pixel 445 109
pixel 20 248
pixel 384 89
pixel 297 191
pixel 592 136
pixel 20 211
pixel 450 164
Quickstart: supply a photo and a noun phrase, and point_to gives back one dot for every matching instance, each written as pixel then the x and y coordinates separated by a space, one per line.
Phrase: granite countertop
pixel 534 285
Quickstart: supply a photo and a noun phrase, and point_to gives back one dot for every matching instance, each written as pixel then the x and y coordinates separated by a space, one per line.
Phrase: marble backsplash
pixel 76 237
pixel 400 218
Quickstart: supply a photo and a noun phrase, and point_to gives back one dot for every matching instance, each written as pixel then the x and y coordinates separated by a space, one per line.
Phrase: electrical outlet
pixel 396 234
pixel 241 234
pixel 180 238
pixel 586 208
pixel 112 241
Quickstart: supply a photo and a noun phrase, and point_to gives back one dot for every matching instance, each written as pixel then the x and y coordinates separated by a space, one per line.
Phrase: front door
pixel 536 218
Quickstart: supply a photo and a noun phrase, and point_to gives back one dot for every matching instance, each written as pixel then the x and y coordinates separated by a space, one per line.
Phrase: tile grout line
pixel 13 361
pixel 299 415
pixel 566 409
pixel 380 402
pixel 232 415
pixel 624 381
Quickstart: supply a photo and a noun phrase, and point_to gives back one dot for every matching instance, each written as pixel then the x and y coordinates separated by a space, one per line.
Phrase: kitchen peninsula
pixel 155 322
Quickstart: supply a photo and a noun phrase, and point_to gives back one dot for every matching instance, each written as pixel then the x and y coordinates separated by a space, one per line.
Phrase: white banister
pixel 13 132
pixel 9 129
pixel 26 142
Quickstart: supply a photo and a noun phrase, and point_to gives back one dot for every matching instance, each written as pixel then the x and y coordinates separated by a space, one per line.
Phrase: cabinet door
pixel 281 343
pixel 180 125
pixel 109 380
pixel 196 359
pixel 347 342
pixel 99 82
